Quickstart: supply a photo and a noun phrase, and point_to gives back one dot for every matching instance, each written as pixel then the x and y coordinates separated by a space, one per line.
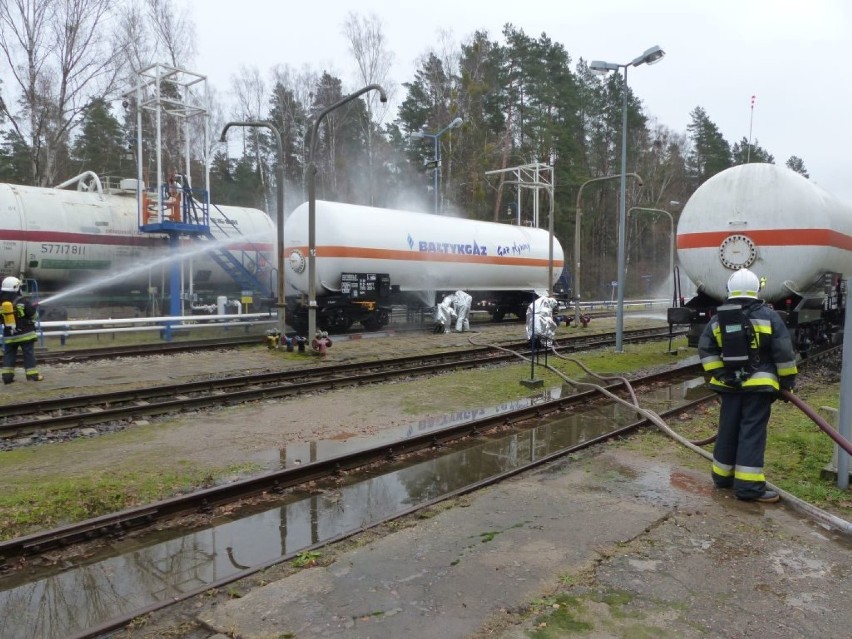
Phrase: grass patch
pixel 495 385
pixel 608 612
pixel 53 502
pixel 306 559
pixel 557 616
pixel 796 450
pixel 488 536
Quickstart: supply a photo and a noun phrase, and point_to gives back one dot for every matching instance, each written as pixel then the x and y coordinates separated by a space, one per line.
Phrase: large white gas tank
pixel 62 237
pixel 420 251
pixel 769 219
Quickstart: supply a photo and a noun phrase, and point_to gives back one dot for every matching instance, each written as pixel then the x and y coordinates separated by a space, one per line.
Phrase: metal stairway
pixel 243 270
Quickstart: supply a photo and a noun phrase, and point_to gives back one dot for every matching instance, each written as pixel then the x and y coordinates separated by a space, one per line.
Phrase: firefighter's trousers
pixel 10 354
pixel 741 443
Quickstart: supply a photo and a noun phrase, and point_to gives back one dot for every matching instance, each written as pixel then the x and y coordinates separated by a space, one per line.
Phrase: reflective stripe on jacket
pixel 773 364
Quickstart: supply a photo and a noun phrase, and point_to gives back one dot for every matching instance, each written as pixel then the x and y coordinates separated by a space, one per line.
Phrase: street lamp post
pixel 671 231
pixel 435 136
pixel 280 304
pixel 312 202
pixel 577 237
pixel 650 56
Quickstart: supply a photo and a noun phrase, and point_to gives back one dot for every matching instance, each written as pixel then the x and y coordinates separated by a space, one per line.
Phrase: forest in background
pixel 68 66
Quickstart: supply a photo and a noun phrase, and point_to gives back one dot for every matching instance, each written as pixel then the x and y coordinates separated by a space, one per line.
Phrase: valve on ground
pixel 321 342
pixel 273 339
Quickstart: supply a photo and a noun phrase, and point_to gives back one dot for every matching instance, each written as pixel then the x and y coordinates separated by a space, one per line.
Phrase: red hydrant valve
pixel 321 342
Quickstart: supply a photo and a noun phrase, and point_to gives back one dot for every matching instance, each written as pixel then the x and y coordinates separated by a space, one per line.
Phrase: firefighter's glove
pixel 784 397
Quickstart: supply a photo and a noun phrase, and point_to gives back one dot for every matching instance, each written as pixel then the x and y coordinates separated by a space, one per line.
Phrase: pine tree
pixel 99 147
pixel 711 153
pixel 797 164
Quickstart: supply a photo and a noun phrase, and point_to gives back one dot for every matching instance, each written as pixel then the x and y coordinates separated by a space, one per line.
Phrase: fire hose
pixel 817 514
pixel 819 421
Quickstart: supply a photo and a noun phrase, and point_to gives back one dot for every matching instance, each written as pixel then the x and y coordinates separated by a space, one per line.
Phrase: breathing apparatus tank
pixel 736 336
pixel 739 345
pixel 9 325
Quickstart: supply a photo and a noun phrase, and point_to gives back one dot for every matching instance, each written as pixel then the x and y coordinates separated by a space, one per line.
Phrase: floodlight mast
pixel 649 56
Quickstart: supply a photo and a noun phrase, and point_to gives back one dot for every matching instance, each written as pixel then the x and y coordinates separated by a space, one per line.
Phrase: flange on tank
pixel 769 219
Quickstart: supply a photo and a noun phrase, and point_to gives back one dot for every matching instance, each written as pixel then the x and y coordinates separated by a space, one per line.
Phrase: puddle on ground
pixel 133 573
pixel 318 450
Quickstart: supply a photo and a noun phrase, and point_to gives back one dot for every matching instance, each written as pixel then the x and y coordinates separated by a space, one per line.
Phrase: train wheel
pixel 376 321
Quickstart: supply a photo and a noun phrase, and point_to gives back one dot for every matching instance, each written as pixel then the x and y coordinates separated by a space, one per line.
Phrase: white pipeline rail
pixel 67 328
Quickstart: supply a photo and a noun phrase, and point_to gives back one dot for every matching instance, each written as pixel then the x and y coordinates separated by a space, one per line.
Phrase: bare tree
pixel 158 32
pixel 291 101
pixel 301 83
pixel 250 91
pixel 368 47
pixel 173 31
pixel 59 58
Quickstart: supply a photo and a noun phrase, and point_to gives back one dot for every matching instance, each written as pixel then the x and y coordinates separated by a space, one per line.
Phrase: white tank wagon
pixel 65 238
pixel 779 225
pixel 417 255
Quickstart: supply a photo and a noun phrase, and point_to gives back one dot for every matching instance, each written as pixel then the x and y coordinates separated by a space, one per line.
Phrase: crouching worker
pixel 540 323
pixel 19 329
pixel 747 350
pixel 445 315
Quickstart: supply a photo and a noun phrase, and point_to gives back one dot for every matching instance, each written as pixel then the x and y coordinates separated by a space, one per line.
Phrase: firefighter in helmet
pixel 747 351
pixel 19 329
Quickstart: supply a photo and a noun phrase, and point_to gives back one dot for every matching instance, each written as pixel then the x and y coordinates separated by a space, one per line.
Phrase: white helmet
pixel 11 285
pixel 743 283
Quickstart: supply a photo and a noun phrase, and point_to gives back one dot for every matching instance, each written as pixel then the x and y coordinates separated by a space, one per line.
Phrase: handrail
pixel 79 180
pixel 190 319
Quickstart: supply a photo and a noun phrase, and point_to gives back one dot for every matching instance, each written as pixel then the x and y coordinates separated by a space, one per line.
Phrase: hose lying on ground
pixel 817 514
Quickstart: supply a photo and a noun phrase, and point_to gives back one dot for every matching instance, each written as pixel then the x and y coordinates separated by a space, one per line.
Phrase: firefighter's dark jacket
pixel 772 364
pixel 26 314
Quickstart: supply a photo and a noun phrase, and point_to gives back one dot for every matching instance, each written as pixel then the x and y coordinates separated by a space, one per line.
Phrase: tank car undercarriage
pixel 815 322
pixel 340 312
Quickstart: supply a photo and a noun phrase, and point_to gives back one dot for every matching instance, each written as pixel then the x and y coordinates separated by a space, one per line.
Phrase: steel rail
pixel 277 481
pixel 100 408
pixel 126 618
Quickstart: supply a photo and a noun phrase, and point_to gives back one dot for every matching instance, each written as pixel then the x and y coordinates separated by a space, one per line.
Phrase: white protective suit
pixel 461 304
pixel 540 317
pixel 445 315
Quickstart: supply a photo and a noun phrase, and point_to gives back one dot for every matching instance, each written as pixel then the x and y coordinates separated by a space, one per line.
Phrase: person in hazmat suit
pixel 19 330
pixel 461 305
pixel 747 351
pixel 445 315
pixel 541 325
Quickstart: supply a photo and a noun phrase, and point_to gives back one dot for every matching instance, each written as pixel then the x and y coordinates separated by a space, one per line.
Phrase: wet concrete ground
pixel 608 544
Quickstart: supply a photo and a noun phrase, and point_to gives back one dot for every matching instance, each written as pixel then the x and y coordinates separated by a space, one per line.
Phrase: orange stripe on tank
pixel 425 256
pixel 770 237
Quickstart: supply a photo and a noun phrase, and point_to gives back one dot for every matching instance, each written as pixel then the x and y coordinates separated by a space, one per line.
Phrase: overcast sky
pixel 793 55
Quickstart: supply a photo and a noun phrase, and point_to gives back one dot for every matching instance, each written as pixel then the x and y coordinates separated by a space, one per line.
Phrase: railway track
pixel 24 419
pixel 330 477
pixel 68 355
pixel 387 458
